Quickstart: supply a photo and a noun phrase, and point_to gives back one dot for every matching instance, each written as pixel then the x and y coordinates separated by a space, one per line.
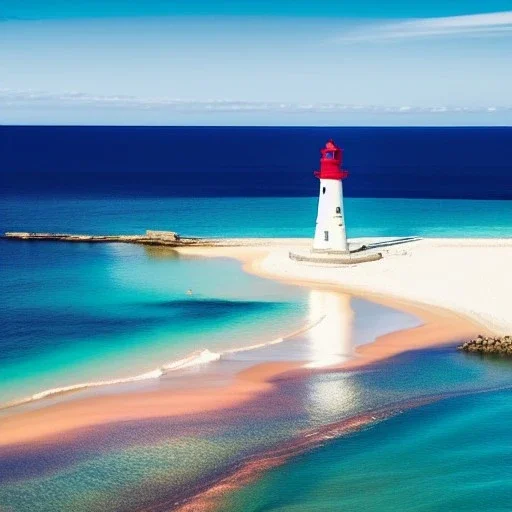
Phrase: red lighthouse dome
pixel 330 163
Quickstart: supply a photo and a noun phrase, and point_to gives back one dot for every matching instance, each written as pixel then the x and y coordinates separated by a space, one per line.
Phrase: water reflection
pixel 331 341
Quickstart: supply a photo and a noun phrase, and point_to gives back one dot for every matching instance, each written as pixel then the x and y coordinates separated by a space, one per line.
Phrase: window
pixel 323 190
pixel 338 209
pixel 326 236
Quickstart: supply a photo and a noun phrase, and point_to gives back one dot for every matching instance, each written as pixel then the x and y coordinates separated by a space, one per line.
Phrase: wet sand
pixel 439 327
pixel 49 423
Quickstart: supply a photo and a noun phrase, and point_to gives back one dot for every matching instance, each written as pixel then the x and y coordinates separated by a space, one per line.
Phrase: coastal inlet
pixel 489 345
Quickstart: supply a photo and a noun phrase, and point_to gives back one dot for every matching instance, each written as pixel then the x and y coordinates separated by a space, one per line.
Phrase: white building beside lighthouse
pixel 330 233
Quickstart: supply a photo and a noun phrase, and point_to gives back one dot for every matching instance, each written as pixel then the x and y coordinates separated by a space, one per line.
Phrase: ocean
pixel 447 163
pixel 451 455
pixel 73 315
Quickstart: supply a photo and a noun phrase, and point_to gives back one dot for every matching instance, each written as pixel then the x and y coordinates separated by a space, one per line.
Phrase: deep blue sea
pixel 457 163
pixel 73 314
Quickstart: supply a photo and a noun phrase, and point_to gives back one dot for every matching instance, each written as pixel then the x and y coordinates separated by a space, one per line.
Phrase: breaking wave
pixel 197 358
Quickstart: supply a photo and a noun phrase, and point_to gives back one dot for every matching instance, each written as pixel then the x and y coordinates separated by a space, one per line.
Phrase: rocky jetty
pixel 488 345
pixel 150 238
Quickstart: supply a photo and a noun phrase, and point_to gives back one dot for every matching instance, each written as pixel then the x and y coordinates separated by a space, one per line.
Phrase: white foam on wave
pixel 275 341
pixel 197 358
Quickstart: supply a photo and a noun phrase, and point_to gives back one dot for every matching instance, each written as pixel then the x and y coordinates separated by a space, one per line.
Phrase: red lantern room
pixel 330 163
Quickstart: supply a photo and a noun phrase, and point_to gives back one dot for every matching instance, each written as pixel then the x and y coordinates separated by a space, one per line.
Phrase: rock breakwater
pixel 149 238
pixel 489 345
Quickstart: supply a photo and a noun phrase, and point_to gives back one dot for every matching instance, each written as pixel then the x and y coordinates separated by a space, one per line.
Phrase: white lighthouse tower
pixel 330 246
pixel 330 234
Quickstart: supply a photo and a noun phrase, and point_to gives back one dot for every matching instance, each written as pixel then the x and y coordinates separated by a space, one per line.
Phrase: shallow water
pixel 82 313
pixel 451 455
pixel 437 448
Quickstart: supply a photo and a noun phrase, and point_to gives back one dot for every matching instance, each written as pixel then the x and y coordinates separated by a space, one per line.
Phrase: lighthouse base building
pixel 330 244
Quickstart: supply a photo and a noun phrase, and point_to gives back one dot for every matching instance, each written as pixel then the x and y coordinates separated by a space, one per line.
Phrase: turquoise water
pixel 453 455
pixel 84 313
pixel 261 217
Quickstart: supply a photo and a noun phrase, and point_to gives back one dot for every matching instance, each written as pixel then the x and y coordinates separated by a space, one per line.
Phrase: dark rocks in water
pixel 488 345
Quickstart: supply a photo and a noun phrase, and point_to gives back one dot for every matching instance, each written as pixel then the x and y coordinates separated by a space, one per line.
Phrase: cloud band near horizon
pixel 13 98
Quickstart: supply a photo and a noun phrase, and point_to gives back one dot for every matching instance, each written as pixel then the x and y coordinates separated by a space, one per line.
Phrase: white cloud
pixel 19 99
pixel 491 24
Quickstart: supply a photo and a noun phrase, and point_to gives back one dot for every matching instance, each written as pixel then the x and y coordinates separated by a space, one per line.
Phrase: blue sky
pixel 256 62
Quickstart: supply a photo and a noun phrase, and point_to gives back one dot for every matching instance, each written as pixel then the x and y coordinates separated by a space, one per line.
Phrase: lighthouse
pixel 330 246
pixel 330 234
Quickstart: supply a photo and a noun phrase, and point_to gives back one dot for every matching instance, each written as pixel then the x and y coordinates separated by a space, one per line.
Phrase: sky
pixel 216 62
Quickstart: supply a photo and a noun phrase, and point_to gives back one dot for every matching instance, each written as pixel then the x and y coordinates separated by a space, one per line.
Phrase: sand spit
pixel 468 276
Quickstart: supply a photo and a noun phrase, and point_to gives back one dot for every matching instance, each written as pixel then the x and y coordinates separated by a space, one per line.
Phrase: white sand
pixel 472 277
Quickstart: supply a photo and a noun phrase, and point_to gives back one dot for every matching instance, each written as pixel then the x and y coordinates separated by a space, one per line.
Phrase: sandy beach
pixel 467 276
pixel 456 287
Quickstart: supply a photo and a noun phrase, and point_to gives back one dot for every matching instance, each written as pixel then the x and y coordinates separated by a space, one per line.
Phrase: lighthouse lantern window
pixel 329 155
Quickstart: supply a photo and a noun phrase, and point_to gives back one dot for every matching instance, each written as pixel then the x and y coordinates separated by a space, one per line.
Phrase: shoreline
pixel 442 274
pixel 50 423
pixel 439 326
pixel 193 359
